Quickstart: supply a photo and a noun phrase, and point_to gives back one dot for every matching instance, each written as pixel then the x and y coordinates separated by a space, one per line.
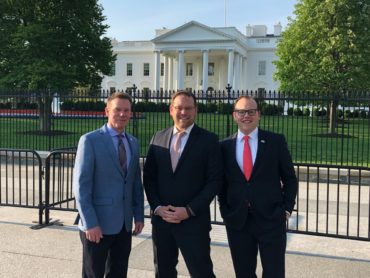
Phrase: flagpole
pixel 225 13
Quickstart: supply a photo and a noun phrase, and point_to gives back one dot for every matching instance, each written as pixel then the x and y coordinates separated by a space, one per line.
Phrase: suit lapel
pixel 261 150
pixel 167 142
pixel 108 143
pixel 233 151
pixel 191 141
pixel 133 151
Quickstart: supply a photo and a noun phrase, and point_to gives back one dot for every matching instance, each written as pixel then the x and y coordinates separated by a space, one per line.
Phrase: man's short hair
pixel 247 98
pixel 120 95
pixel 184 93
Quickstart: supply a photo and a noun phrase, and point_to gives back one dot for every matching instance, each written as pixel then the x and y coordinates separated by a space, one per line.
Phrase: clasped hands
pixel 172 214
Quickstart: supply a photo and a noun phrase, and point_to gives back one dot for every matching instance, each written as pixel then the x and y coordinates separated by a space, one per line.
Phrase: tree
pixel 52 46
pixel 326 48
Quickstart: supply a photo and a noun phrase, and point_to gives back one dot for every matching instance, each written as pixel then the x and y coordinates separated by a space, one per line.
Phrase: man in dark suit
pixel 258 195
pixel 182 174
pixel 109 194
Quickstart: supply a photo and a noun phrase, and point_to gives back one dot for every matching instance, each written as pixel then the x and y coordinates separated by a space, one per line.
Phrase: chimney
pixel 249 30
pixel 277 29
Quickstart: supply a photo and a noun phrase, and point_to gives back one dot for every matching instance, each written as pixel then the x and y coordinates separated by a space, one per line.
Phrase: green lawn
pixel 351 147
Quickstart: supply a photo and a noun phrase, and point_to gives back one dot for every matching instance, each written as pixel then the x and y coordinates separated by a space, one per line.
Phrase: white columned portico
pixel 230 67
pixel 157 72
pixel 180 71
pixel 205 70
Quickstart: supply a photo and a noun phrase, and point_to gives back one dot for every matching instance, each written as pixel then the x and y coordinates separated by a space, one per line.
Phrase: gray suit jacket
pixel 103 195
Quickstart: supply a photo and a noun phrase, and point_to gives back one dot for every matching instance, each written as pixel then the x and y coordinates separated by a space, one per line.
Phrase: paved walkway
pixel 55 251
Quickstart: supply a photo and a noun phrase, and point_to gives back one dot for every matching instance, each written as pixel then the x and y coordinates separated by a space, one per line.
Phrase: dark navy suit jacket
pixel 271 190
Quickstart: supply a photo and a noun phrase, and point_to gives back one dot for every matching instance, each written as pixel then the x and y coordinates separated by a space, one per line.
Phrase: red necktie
pixel 247 159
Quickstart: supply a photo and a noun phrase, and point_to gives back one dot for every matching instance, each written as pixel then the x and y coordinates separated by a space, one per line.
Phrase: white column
pixel 198 74
pixel 165 74
pixel 240 75
pixel 205 71
pixel 221 74
pixel 230 68
pixel 180 71
pixel 236 71
pixel 170 74
pixel 157 72
pixel 244 77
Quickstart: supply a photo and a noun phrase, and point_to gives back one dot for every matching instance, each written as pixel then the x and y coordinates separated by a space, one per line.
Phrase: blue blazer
pixel 103 195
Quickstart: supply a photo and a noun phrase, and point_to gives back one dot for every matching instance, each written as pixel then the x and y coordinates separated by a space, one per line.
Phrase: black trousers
pixel 245 244
pixel 109 257
pixel 168 239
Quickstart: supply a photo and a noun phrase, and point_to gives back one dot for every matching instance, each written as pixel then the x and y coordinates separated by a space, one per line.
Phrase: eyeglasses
pixel 243 112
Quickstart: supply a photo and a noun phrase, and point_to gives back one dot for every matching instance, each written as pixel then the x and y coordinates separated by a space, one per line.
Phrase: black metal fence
pixel 313 136
pixel 332 201
pixel 21 182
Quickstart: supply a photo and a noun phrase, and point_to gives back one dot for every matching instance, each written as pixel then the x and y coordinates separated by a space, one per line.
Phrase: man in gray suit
pixel 109 194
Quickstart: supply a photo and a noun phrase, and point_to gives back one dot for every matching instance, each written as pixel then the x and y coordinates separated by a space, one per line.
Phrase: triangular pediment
pixel 192 31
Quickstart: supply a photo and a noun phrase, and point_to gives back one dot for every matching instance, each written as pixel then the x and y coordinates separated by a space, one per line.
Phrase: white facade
pixel 174 59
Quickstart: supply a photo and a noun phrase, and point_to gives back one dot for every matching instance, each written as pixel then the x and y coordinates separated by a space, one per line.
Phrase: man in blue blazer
pixel 180 189
pixel 258 195
pixel 109 192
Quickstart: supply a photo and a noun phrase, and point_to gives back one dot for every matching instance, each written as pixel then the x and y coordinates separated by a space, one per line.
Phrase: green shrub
pixel 319 112
pixel 340 113
pixel 363 114
pixel 290 111
pixel 306 112
pixel 297 112
pixel 356 113
pixel 5 105
pixel 348 114
pixel 225 108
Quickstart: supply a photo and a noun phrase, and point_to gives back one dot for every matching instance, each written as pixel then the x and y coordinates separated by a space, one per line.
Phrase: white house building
pixel 197 57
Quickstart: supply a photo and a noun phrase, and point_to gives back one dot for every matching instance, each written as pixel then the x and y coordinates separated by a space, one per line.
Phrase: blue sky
pixel 138 19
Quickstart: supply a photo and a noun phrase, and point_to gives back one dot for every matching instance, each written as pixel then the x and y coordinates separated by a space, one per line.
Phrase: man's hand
pixel 138 228
pixel 167 214
pixel 94 234
pixel 179 213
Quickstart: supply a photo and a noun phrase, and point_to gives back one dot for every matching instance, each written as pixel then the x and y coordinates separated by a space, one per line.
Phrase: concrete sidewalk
pixel 55 251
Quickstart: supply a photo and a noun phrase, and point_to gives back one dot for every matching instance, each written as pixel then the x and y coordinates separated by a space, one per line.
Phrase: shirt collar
pixel 253 135
pixel 187 130
pixel 112 132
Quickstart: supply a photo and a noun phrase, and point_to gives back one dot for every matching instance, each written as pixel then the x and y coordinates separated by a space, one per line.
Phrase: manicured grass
pixel 305 135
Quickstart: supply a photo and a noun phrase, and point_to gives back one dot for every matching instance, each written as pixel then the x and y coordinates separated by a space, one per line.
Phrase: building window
pixel 129 69
pixel 189 69
pixel 189 89
pixel 162 69
pixel 113 69
pixel 262 40
pixel 262 68
pixel 211 69
pixel 112 89
pixel 146 69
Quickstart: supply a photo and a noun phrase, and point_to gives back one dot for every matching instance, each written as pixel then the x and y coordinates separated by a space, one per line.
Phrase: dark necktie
pixel 122 153
pixel 175 152
pixel 247 159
